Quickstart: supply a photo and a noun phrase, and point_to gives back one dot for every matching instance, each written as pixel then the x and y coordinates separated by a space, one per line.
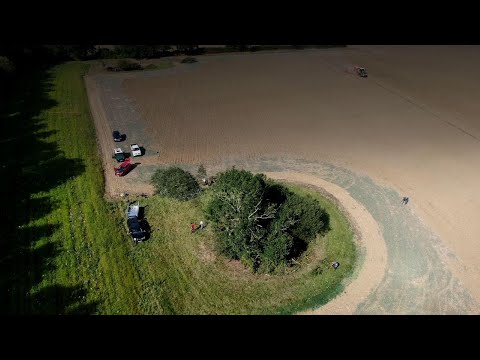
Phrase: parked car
pixel 135 150
pixel 117 136
pixel 124 168
pixel 137 228
pixel 118 155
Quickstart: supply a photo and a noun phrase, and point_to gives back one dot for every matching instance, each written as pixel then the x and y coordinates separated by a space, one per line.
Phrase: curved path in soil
pixel 403 264
pixel 373 249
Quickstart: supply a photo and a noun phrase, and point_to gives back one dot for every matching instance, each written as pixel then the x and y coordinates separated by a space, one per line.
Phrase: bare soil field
pixel 411 128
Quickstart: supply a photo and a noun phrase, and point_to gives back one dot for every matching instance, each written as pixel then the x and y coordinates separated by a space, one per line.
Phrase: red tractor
pixel 124 168
pixel 361 71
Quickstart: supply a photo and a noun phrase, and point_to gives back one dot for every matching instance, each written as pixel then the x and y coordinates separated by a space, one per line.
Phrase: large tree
pixel 260 222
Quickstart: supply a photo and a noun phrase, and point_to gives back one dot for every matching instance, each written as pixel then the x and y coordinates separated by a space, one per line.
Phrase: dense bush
pixel 128 65
pixel 189 60
pixel 175 183
pixel 150 67
pixel 260 222
pixel 6 66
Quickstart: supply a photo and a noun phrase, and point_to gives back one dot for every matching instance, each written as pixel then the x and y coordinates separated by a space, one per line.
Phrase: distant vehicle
pixel 124 168
pixel 117 136
pixel 118 155
pixel 136 227
pixel 135 150
pixel 361 71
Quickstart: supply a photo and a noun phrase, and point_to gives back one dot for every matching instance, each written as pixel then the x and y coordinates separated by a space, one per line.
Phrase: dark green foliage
pixel 6 65
pixel 128 65
pixel 188 50
pixel 176 183
pixel 80 52
pixel 261 222
pixel 240 47
pixel 309 218
pixel 189 60
pixel 135 52
pixel 104 53
pixel 201 172
pixel 150 67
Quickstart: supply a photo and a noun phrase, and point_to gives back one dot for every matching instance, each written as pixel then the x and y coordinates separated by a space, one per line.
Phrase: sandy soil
pixel 368 236
pixel 114 186
pixel 410 126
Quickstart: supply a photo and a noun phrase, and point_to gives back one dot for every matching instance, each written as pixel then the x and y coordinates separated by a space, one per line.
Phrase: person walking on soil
pixel 405 200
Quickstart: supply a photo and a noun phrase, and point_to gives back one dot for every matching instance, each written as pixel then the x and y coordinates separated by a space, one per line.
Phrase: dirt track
pixel 372 244
pixel 114 186
pixel 411 127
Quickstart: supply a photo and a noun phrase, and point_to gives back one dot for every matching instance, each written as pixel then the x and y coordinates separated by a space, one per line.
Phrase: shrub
pixel 151 67
pixel 201 172
pixel 189 60
pixel 260 222
pixel 175 183
pixel 6 65
pixel 128 65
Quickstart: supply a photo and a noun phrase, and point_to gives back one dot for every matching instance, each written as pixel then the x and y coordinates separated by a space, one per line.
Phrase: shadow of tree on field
pixel 33 164
pixel 61 300
pixel 25 264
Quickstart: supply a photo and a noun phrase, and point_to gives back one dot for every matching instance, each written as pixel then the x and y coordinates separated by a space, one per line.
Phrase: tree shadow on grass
pixel 33 164
pixel 25 265
pixel 51 173
pixel 35 208
pixel 61 300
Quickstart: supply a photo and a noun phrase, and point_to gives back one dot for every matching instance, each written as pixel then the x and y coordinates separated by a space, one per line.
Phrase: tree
pixel 163 49
pixel 128 65
pixel 260 222
pixel 80 52
pixel 238 47
pixel 176 183
pixel 188 49
pixel 6 66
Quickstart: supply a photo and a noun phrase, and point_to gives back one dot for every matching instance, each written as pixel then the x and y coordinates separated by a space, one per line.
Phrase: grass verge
pixel 182 274
pixel 64 251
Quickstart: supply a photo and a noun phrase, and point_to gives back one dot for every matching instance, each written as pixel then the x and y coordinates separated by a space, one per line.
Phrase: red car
pixel 123 168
